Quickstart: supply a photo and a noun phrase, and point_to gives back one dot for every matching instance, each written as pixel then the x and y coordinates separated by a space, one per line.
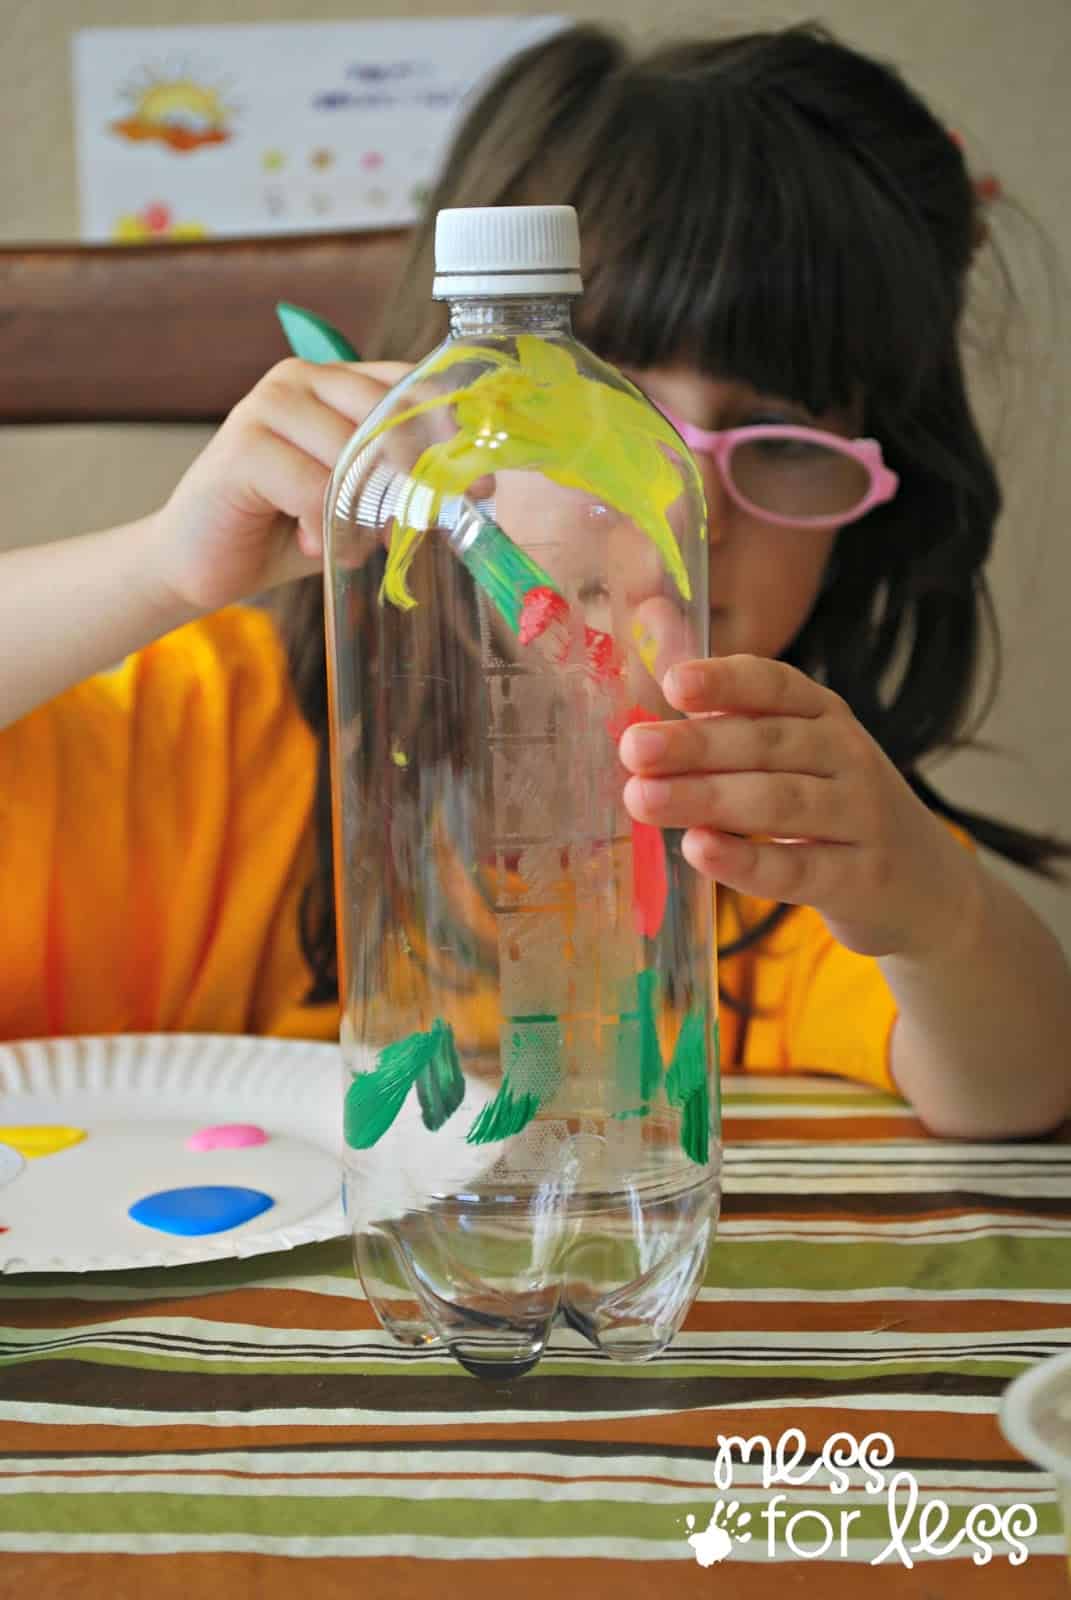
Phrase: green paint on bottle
pixel 688 1070
pixel 441 1085
pixel 695 1127
pixel 533 1046
pixel 650 1049
pixel 638 1053
pixel 427 1060
pixel 503 1116
pixel 687 1087
pixel 715 1067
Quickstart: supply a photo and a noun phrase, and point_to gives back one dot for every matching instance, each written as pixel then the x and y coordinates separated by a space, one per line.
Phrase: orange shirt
pixel 155 840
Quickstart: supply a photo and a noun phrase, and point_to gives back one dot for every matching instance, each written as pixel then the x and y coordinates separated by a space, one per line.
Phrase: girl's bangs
pixel 723 234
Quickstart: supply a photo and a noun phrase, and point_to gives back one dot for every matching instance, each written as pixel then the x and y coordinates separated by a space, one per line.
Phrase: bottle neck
pixel 542 314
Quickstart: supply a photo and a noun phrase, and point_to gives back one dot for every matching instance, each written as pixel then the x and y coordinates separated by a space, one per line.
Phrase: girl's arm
pixel 69 610
pixel 245 517
pixel 980 1046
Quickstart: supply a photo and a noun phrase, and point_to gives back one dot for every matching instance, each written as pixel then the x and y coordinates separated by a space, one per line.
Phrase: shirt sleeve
pixel 152 819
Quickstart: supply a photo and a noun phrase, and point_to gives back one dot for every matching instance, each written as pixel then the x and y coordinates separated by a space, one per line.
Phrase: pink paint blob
pixel 227 1136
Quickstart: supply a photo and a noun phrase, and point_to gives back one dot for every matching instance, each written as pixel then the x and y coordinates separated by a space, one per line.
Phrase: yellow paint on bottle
pixel 631 457
pixel 646 646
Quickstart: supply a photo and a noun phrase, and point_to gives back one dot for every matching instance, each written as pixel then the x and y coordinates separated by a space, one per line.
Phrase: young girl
pixel 776 230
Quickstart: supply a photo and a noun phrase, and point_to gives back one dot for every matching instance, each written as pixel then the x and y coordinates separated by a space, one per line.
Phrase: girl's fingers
pixel 297 415
pixel 801 873
pixel 745 683
pixel 318 406
pixel 723 742
pixel 779 804
pixel 279 476
pixel 352 390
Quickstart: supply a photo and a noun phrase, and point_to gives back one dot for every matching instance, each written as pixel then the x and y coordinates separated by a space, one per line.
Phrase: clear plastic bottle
pixel 516 552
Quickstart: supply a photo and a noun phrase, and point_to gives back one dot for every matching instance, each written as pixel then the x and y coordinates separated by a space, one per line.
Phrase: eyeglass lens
pixel 797 477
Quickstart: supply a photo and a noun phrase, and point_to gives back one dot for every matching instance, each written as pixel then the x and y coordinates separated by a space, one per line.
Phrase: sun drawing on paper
pixel 153 224
pixel 177 108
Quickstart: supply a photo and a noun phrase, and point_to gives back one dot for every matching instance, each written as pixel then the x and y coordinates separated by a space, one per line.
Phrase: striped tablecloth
pixel 245 1429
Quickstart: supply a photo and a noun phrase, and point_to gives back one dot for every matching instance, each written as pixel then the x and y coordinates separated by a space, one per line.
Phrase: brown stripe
pixel 291 1309
pixel 969 1437
pixel 214 1576
pixel 879 1316
pixel 62 1381
pixel 257 1308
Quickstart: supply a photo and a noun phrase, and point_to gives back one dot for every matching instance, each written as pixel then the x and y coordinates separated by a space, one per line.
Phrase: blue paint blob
pixel 205 1208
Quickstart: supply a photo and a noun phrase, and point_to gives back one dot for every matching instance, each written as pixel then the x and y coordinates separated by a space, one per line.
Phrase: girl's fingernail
pixel 656 792
pixel 686 683
pixel 648 743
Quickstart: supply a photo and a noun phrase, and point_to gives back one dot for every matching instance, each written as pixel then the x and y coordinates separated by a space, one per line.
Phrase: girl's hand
pixel 247 514
pixel 785 796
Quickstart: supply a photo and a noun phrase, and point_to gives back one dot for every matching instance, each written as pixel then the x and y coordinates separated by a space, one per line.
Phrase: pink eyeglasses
pixel 794 476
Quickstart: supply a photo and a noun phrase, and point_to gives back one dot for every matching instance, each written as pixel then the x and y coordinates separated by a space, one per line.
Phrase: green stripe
pixel 908 1366
pixel 849 1102
pixel 994 1261
pixel 353 1515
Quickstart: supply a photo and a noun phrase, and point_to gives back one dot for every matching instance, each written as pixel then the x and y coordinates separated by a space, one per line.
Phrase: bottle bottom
pixel 490 1275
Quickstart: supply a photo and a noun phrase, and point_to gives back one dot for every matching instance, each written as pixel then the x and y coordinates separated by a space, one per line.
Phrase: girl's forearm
pixel 70 609
pixel 981 1045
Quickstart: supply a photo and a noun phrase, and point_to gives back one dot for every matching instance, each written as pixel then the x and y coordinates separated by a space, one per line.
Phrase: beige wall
pixel 997 72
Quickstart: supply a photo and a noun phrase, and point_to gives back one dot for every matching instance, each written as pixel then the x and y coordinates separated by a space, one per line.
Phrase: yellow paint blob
pixel 40 1139
pixel 399 757
pixel 646 646
pixel 531 408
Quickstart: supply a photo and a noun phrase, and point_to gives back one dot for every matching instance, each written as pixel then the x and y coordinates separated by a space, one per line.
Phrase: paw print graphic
pixel 717 1538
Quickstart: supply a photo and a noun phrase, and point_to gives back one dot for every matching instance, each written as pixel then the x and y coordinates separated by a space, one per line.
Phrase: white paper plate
pixel 11 1164
pixel 139 1097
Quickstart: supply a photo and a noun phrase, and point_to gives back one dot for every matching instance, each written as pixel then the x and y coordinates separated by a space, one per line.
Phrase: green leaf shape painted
pixel 715 1065
pixel 639 1054
pixel 688 1070
pixel 531 1078
pixel 374 1099
pixel 441 1085
pixel 687 1087
pixel 503 1116
pixel 535 411
pixel 695 1127
pixel 650 1049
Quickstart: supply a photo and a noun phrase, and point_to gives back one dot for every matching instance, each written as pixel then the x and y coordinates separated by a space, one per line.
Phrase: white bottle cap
pixel 506 250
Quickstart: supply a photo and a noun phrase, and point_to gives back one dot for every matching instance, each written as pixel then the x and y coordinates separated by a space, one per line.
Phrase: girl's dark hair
pixel 776 208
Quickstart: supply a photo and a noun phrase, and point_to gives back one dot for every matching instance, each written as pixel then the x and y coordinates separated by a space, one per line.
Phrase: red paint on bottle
pixel 540 607
pixel 650 880
pixel 604 660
